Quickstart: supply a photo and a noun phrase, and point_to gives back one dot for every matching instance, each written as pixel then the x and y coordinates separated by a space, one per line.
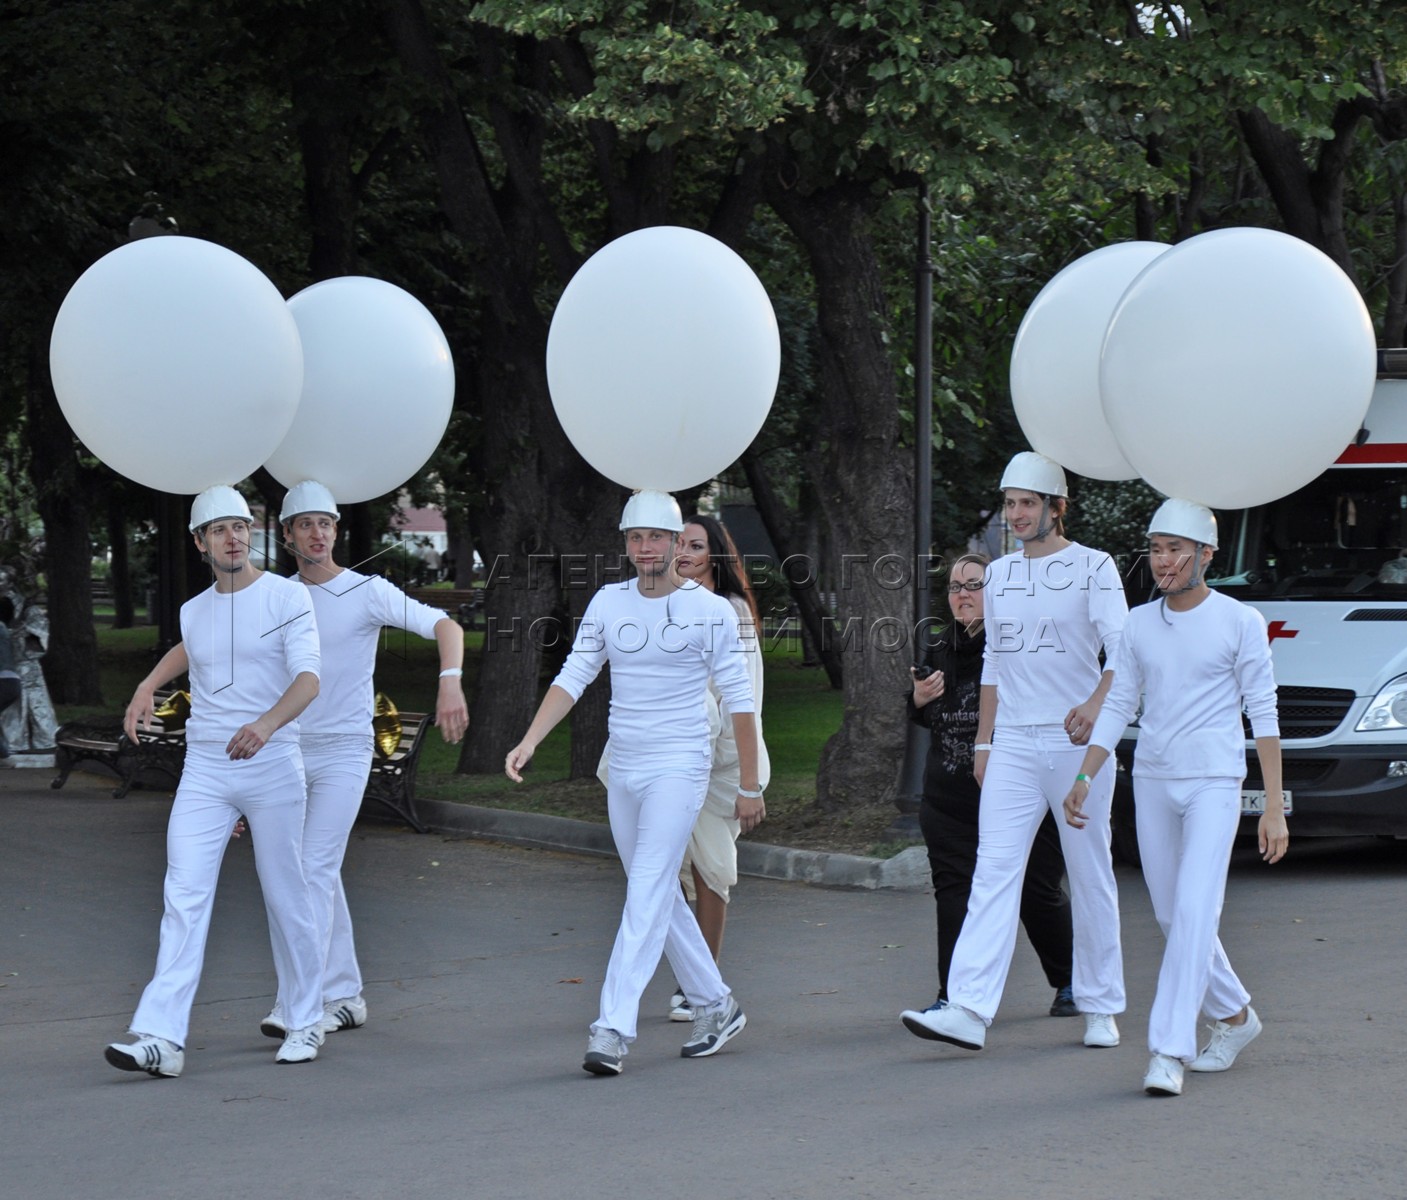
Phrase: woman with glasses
pixel 945 701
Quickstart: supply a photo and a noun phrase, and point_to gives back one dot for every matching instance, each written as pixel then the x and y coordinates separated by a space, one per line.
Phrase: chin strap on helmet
pixel 1045 523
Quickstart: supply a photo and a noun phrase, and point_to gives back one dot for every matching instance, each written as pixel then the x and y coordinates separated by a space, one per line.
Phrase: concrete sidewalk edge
pixel 906 871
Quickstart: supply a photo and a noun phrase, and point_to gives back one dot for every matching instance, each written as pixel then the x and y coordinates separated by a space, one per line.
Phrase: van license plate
pixel 1253 804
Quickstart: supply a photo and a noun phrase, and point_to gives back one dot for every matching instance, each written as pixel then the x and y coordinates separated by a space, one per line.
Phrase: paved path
pixel 483 965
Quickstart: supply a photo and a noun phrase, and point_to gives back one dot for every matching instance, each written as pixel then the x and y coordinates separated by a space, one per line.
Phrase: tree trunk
pixel 71 664
pixel 1310 202
pixel 523 449
pixel 815 620
pixel 865 490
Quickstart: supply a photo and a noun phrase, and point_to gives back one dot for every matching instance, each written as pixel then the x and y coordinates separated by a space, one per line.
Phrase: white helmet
pixel 1034 472
pixel 217 502
pixel 652 510
pixel 1182 518
pixel 308 497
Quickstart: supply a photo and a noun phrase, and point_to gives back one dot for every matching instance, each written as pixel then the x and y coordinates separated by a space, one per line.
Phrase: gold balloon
pixel 386 726
pixel 173 711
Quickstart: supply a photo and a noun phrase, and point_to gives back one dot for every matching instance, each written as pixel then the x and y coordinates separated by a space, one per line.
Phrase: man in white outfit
pixel 662 641
pixel 250 644
pixel 335 730
pixel 1050 609
pixel 1196 658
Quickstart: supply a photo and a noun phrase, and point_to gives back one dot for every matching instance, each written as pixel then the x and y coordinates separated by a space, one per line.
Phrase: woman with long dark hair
pixel 709 558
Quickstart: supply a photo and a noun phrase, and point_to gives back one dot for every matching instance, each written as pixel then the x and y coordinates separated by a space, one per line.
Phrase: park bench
pixel 465 605
pixel 162 752
pixel 158 751
pixel 392 779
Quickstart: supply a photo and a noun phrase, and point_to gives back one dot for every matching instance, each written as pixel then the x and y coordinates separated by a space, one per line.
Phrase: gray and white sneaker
pixel 604 1051
pixel 1227 1042
pixel 347 1013
pixel 944 1022
pixel 679 1007
pixel 156 1056
pixel 713 1026
pixel 301 1045
pixel 1164 1076
pixel 274 1026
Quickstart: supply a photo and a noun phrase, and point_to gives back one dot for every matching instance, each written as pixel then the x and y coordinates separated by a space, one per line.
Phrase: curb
pixel 906 871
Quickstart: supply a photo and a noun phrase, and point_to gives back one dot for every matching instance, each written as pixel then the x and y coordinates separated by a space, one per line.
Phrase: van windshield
pixel 1344 536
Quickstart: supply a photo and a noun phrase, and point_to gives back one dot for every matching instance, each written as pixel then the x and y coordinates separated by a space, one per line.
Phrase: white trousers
pixel 336 773
pixel 652 815
pixel 1185 831
pixel 268 791
pixel 1029 771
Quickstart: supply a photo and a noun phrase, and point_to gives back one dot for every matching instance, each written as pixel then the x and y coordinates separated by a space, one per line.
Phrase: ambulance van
pixel 1327 566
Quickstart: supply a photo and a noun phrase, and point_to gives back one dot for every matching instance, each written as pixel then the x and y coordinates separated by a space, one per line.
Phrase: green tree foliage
pixel 476 154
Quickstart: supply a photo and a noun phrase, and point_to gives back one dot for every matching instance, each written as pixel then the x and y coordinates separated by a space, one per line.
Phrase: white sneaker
pixel 156 1056
pixel 301 1045
pixel 1227 1042
pixel 274 1026
pixel 1164 1076
pixel 1101 1030
pixel 951 1023
pixel 349 1013
pixel 679 1007
pixel 713 1026
pixel 604 1051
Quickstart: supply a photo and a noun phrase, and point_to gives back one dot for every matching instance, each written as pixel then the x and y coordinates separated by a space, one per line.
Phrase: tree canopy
pixel 476 154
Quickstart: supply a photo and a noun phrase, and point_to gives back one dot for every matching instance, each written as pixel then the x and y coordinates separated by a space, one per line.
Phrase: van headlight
pixel 1388 709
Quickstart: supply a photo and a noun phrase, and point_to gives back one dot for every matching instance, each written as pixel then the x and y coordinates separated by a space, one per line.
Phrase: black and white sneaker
pixel 349 1013
pixel 713 1026
pixel 301 1045
pixel 604 1052
pixel 156 1056
pixel 679 1007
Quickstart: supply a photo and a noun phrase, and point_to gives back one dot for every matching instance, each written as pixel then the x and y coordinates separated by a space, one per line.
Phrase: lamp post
pixel 910 790
pixel 170 526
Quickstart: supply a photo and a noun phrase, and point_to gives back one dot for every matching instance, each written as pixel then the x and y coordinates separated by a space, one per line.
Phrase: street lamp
pixel 909 794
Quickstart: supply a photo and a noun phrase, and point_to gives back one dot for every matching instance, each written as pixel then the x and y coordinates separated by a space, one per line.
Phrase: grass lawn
pixel 800 711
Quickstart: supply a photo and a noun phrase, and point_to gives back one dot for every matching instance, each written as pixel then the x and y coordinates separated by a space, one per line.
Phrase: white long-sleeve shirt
pixel 661 652
pixel 1045 620
pixel 352 609
pixel 1195 670
pixel 244 649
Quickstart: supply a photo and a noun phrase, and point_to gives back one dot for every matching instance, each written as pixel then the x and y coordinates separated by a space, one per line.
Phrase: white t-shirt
pixel 661 652
pixel 352 609
pixel 245 648
pixel 1195 670
pixel 1045 620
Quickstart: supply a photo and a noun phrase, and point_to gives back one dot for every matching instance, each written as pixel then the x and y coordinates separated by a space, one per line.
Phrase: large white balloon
pixel 177 363
pixel 1055 360
pixel 1237 367
pixel 377 391
pixel 663 358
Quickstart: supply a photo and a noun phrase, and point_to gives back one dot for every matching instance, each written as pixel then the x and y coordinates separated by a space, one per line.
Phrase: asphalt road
pixel 483 964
